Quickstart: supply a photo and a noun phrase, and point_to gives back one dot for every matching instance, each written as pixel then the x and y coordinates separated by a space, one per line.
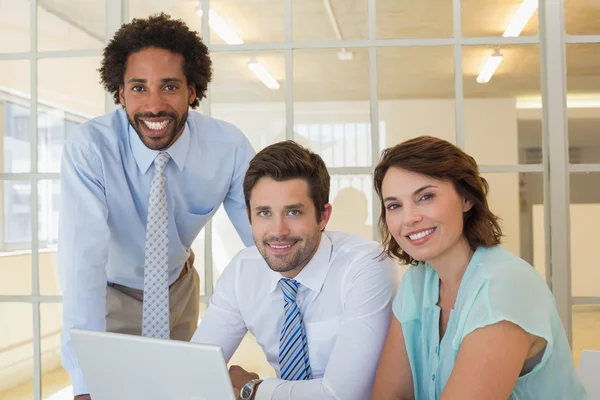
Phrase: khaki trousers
pixel 124 305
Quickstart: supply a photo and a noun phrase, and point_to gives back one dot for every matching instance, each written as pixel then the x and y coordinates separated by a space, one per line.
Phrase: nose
pixel 156 102
pixel 280 227
pixel 412 214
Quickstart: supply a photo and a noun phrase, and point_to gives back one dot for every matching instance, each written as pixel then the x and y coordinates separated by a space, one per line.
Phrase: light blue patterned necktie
pixel 155 317
pixel 294 364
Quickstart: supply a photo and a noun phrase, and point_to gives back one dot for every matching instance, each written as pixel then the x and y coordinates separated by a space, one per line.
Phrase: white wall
pixel 585 273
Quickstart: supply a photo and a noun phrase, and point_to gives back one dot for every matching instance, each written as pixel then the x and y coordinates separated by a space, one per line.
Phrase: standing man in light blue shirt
pixel 152 169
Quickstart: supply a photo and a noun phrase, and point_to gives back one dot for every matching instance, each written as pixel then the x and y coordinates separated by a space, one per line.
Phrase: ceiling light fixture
pixel 261 71
pixel 220 27
pixel 514 29
pixel 573 101
pixel 490 67
pixel 521 18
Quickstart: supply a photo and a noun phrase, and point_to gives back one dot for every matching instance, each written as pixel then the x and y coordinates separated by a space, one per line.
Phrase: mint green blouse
pixel 496 286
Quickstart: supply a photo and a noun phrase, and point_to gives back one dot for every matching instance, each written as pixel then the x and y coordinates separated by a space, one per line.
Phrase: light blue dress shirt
pixel 496 286
pixel 106 174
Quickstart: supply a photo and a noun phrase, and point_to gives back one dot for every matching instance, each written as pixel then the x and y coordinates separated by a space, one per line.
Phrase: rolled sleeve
pixel 267 388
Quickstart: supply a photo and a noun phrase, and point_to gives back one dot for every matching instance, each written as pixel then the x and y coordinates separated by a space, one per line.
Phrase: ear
pixel 121 95
pixel 467 205
pixel 325 215
pixel 191 94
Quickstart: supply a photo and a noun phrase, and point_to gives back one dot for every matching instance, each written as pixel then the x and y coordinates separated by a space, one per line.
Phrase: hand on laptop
pixel 82 397
pixel 239 377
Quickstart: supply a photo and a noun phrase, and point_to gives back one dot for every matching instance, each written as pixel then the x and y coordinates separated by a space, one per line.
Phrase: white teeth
pixel 281 247
pixel 155 126
pixel 420 235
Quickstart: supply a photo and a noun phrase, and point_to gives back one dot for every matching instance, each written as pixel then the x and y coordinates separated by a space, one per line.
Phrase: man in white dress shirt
pixel 317 302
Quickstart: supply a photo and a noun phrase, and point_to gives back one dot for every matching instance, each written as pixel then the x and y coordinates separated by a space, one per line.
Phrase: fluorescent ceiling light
pixel 573 101
pixel 490 67
pixel 221 28
pixel 263 74
pixel 521 18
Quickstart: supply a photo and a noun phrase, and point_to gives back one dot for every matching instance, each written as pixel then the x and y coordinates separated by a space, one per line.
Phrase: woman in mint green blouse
pixel 471 320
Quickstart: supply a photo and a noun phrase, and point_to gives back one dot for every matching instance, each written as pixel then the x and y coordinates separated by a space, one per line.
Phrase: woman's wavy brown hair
pixel 444 161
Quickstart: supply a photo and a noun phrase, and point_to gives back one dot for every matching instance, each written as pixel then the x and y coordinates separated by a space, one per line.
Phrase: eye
pixel 427 196
pixel 264 213
pixel 392 206
pixel 294 213
pixel 137 88
pixel 170 88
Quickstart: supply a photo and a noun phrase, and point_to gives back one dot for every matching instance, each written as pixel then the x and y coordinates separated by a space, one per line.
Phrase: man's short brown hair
pixel 288 160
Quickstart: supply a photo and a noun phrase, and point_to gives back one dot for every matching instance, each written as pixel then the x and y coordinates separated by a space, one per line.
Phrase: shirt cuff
pixel 267 388
pixel 78 382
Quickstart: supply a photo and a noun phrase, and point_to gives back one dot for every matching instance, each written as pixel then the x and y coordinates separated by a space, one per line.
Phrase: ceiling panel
pixel 252 20
pixel 408 72
pixel 582 17
pixel 310 20
pixel 85 26
pixel 583 68
pixel 182 9
pixel 410 18
pixel 233 81
pixel 517 75
pixel 320 76
pixel 89 15
pixel 492 17
pixel 415 72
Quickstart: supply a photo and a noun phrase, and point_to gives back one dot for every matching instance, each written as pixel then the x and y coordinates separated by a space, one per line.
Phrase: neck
pixel 452 264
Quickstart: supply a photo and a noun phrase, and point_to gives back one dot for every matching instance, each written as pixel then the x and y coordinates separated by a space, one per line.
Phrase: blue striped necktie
pixel 293 348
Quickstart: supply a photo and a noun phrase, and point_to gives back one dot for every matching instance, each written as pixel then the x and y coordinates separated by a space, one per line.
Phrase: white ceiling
pixel 404 72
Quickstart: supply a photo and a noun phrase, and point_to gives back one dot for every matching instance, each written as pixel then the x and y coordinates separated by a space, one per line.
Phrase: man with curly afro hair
pixel 139 184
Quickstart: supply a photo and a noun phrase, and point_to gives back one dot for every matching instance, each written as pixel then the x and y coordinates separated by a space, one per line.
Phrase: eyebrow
pixel 419 190
pixel 288 207
pixel 164 80
pixel 294 206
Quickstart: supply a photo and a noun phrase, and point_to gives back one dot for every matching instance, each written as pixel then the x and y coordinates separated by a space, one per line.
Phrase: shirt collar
pixel 145 156
pixel 314 273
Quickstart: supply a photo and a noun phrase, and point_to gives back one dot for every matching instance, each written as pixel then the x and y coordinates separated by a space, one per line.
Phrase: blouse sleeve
pixel 512 291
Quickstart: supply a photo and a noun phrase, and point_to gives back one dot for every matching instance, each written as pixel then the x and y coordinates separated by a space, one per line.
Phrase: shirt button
pixel 433 377
pixel 436 349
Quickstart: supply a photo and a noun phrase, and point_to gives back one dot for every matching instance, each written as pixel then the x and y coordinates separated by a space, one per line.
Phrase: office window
pixel 53 128
pixel 17 142
pixel 339 144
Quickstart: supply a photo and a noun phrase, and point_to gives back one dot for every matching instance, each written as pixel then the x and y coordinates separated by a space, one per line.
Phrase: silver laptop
pixel 587 371
pixel 118 366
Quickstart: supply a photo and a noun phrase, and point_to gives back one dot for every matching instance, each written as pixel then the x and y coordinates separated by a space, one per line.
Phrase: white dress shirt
pixel 106 175
pixel 345 300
